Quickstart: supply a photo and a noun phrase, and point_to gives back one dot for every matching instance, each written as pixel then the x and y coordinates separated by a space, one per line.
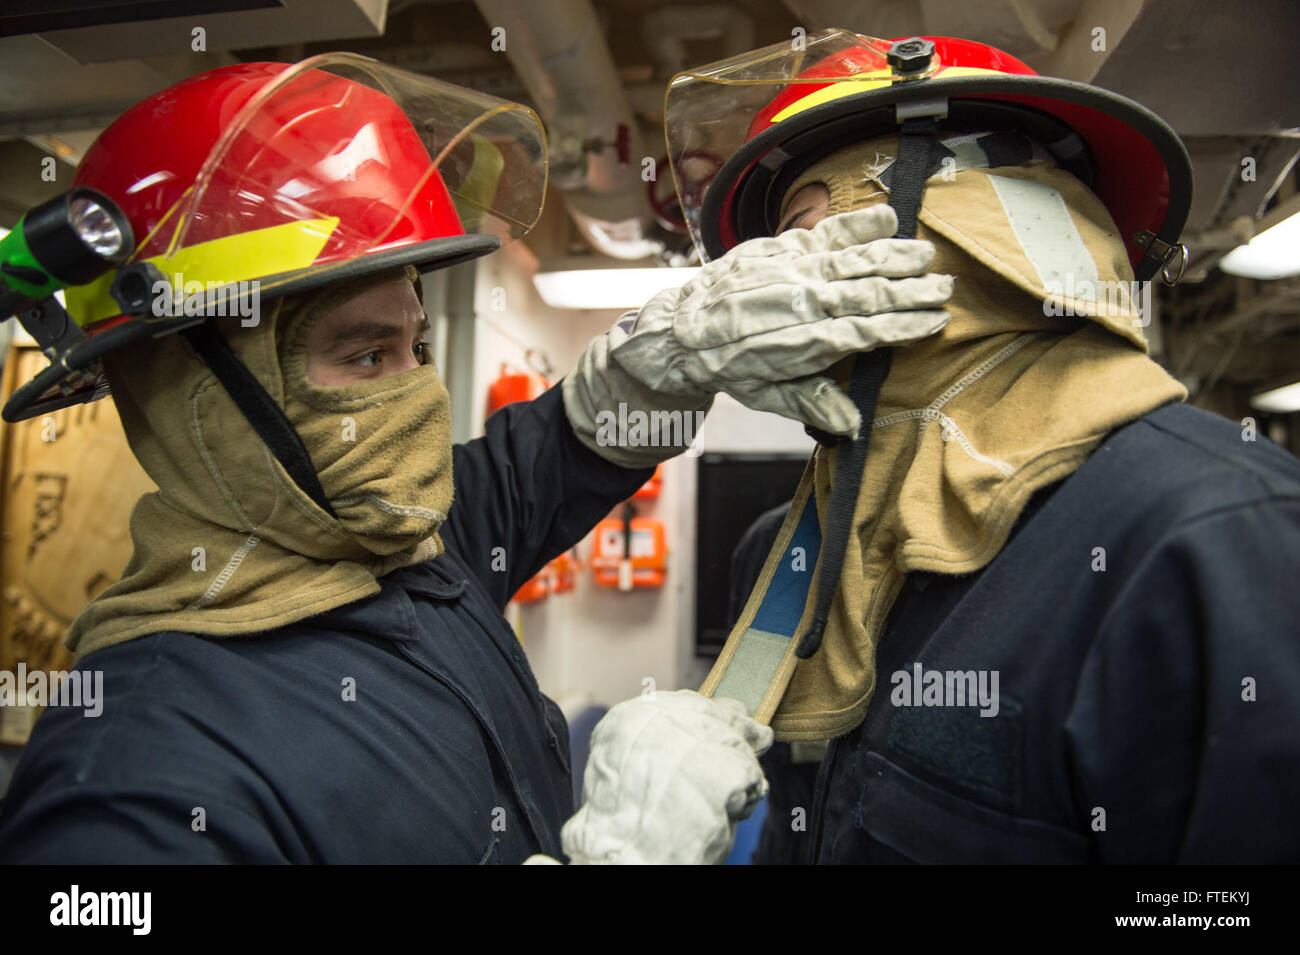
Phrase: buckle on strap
pixel 1167 255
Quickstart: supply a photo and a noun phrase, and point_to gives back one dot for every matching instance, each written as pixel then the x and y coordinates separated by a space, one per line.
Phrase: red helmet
pixel 776 111
pixel 292 176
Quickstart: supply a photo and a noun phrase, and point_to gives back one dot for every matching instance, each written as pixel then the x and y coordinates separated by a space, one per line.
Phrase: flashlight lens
pixel 95 227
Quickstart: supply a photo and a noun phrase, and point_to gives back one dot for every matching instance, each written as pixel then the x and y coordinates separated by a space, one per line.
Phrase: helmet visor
pixel 339 157
pixel 711 111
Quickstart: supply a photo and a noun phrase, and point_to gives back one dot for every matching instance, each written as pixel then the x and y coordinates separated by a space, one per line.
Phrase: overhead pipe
pixel 595 147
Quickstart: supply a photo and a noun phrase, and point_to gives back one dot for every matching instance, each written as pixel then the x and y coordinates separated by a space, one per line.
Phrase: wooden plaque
pixel 69 483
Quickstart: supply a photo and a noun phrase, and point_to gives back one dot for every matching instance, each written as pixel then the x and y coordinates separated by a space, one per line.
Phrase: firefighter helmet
pixel 289 176
pixel 774 112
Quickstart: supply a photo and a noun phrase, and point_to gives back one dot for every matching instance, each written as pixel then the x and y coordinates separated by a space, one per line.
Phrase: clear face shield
pixel 712 111
pixel 341 157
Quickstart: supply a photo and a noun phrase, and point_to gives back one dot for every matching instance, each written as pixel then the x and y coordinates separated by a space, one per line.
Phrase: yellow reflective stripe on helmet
pixel 479 187
pixel 234 258
pixel 872 80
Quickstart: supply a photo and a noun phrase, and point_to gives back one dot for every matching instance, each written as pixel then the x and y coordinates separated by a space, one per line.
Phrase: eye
pixel 421 352
pixel 365 363
pixel 793 220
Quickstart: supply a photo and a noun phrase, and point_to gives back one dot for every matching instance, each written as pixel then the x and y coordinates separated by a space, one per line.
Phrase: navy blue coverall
pixel 449 753
pixel 1144 622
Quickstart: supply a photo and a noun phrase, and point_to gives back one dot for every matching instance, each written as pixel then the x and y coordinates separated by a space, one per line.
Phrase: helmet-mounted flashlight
pixel 70 240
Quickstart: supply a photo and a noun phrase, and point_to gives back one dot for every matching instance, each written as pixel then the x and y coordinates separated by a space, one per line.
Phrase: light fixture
pixel 607 287
pixel 1282 400
pixel 1274 253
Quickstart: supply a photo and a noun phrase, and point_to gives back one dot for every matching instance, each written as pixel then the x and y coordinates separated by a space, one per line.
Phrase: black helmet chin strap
pixel 918 144
pixel 267 418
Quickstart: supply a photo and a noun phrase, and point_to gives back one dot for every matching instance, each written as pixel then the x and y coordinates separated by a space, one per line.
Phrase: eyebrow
pixel 368 331
pixel 793 219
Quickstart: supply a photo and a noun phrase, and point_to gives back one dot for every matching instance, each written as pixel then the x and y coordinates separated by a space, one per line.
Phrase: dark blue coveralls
pixel 1149 706
pixel 449 753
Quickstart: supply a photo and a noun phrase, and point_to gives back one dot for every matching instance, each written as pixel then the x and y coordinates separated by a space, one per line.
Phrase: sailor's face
pixel 378 333
pixel 806 208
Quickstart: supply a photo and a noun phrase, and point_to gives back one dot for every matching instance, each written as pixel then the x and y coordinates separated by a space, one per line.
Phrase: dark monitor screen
pixel 733 490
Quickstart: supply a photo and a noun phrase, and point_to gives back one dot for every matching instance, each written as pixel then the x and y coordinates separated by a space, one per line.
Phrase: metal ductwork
pixel 667 31
pixel 559 52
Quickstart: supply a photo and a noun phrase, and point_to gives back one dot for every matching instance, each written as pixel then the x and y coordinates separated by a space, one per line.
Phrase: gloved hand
pixel 762 323
pixel 668 778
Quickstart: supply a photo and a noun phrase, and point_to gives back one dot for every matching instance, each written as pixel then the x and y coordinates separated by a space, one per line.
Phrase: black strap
pixel 869 371
pixel 920 135
pixel 999 148
pixel 1006 148
pixel 267 418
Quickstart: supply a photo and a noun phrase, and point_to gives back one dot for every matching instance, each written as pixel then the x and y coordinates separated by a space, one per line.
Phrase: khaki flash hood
pixel 229 544
pixel 1043 356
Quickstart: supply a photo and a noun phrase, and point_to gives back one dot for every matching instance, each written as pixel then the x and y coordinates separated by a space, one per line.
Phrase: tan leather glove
pixel 668 779
pixel 762 323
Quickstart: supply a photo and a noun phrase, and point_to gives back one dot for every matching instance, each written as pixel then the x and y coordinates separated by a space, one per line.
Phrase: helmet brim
pixel 45 392
pixel 1139 166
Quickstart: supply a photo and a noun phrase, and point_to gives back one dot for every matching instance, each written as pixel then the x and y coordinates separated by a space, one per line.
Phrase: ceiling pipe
pixel 667 31
pixel 559 52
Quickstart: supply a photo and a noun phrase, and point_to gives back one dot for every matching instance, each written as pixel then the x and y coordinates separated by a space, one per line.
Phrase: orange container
pixel 646 566
pixel 537 588
pixel 514 385
pixel 566 568
pixel 651 488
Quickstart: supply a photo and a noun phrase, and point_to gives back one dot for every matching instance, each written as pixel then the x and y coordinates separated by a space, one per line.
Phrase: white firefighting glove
pixel 761 323
pixel 668 778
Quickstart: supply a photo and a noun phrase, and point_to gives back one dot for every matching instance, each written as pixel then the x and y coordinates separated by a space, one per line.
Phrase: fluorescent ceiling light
pixel 1273 254
pixel 607 288
pixel 1278 401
